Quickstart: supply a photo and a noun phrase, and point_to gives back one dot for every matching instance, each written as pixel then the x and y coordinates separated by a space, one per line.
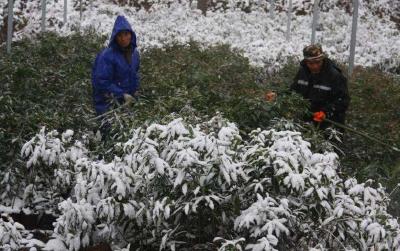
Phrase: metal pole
pixel 353 37
pixel 314 20
pixel 289 15
pixel 272 7
pixel 10 25
pixel 65 11
pixel 43 15
pixel 80 10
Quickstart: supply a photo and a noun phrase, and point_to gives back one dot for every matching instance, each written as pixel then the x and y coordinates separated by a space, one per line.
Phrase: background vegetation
pixel 46 82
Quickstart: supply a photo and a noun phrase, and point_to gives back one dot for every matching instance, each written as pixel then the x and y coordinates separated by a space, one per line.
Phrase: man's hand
pixel 270 96
pixel 319 116
pixel 129 99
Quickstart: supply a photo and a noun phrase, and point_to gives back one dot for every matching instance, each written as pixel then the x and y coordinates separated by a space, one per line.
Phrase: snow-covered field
pixel 261 38
pixel 152 185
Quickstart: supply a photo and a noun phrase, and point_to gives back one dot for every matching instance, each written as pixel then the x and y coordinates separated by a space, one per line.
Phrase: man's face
pixel 314 65
pixel 124 38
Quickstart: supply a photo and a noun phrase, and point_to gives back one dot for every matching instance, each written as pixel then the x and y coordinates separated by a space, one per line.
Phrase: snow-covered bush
pixel 10 233
pixel 169 178
pixel 310 204
pixel 50 160
pixel 178 185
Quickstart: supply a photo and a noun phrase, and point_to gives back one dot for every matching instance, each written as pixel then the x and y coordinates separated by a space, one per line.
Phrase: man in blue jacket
pixel 115 76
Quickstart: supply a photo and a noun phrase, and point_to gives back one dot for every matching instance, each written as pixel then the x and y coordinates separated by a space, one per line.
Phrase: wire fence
pixel 271 9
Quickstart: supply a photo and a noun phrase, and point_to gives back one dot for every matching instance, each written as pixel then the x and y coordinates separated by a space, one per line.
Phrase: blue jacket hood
pixel 121 24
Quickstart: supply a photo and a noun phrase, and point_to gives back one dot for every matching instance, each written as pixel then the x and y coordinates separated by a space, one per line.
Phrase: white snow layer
pixel 260 38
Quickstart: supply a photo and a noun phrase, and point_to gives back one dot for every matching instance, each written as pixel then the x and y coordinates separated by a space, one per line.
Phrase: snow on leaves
pixel 10 236
pixel 178 179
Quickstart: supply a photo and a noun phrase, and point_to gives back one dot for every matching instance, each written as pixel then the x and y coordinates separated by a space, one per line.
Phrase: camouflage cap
pixel 313 52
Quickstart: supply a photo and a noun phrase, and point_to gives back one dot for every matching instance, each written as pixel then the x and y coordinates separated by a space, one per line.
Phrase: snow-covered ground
pixel 311 176
pixel 261 38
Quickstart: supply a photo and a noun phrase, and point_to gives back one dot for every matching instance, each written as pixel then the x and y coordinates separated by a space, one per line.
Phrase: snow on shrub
pixel 14 236
pixel 10 233
pixel 50 160
pixel 179 185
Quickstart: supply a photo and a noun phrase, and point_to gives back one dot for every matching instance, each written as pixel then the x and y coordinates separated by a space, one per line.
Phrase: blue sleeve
pixel 105 77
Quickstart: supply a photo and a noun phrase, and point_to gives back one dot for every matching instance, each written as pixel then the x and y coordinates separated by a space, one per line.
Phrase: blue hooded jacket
pixel 112 75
